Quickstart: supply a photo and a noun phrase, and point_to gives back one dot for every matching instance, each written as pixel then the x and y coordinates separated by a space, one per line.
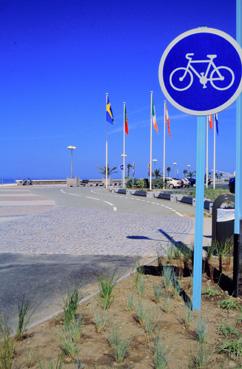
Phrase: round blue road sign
pixel 200 71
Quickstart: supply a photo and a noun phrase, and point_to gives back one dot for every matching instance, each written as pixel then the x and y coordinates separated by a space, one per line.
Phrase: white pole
pixel 71 163
pixel 207 154
pixel 164 147
pixel 124 154
pixel 151 131
pixel 214 156
pixel 106 162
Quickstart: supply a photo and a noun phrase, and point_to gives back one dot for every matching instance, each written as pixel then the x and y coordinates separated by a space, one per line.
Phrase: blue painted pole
pixel 238 169
pixel 198 242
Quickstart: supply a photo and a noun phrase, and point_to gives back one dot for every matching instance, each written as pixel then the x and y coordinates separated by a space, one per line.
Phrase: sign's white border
pixel 227 37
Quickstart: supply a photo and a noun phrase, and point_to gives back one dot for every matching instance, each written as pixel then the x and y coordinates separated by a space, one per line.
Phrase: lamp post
pixel 175 166
pixel 123 155
pixel 71 149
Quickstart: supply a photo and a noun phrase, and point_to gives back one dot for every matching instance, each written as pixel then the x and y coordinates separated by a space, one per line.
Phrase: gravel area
pixel 83 231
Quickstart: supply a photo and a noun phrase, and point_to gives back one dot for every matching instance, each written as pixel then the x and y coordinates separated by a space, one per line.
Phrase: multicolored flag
pixel 126 124
pixel 153 113
pixel 167 121
pixel 210 121
pixel 109 112
pixel 216 122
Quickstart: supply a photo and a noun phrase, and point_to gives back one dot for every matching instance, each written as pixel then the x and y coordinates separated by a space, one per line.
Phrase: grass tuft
pixel 57 364
pixel 157 292
pixel 130 303
pixel 106 286
pixel 100 321
pixel 23 317
pixel 6 346
pixel 119 345
pixel 140 283
pixel 69 339
pixel 160 361
pixel 70 307
pixel 201 330
pixel 187 318
pixel 200 359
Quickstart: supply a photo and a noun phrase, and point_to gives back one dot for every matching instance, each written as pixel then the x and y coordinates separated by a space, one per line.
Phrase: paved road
pixel 55 238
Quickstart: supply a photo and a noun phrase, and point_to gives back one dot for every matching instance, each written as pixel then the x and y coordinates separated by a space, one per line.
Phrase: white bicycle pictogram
pixel 182 78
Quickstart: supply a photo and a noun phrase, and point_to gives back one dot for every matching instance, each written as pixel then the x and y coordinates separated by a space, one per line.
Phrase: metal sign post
pixel 200 74
pixel 198 242
pixel 237 269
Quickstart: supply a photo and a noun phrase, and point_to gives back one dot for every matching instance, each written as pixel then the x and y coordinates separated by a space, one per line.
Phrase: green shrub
pixel 229 304
pixel 228 330
pixel 211 292
pixel 233 348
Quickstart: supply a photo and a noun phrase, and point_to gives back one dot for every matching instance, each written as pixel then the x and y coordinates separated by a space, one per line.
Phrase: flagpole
pixel 207 154
pixel 124 154
pixel 106 162
pixel 164 148
pixel 214 156
pixel 151 101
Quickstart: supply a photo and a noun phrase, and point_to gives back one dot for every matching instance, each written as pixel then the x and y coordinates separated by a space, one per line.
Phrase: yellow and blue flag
pixel 109 112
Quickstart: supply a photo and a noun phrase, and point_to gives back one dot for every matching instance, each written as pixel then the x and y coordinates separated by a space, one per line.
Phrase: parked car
pixel 232 184
pixel 192 181
pixel 185 182
pixel 173 183
pixel 26 182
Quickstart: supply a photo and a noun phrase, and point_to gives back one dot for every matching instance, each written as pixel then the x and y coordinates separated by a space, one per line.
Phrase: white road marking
pixel 109 203
pixel 28 203
pixel 180 215
pixel 92 198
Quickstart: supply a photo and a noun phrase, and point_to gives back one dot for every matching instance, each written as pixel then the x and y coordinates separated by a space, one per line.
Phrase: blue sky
pixel 60 57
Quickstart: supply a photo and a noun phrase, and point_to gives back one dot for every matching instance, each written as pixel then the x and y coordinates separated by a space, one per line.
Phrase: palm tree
pixel 129 167
pixel 168 169
pixel 110 170
pixel 185 171
pixel 157 173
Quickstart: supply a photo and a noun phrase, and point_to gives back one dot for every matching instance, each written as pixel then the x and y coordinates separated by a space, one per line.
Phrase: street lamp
pixel 175 171
pixel 71 149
